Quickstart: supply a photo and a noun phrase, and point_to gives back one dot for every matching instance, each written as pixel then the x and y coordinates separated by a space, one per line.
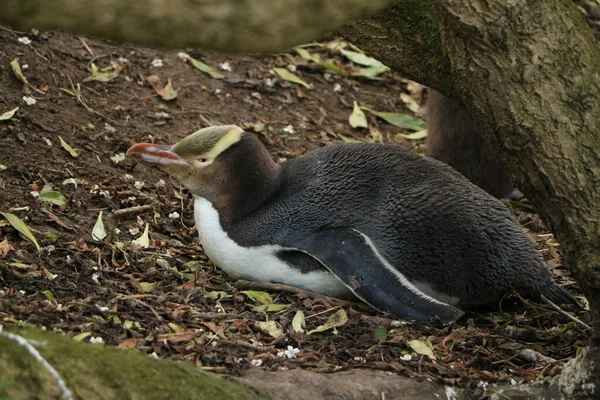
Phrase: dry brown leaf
pixel 5 247
pixel 128 344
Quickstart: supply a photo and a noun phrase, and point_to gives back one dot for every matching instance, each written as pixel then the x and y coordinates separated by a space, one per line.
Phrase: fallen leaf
pixel 104 74
pixel 99 233
pixel 5 247
pixel 180 336
pixel 369 72
pixel 270 307
pixel 401 120
pixel 330 65
pixel 206 69
pixel 3 167
pixel 167 92
pixel 127 344
pixel 54 198
pixel 259 297
pixel 144 240
pixel 335 320
pixel 117 158
pixel 358 119
pixel 49 296
pixel 308 56
pixel 422 134
pixel 16 67
pixel 8 115
pixel 147 286
pixel 299 322
pixel 290 77
pixel 67 91
pixel 380 333
pixel 420 347
pixel 360 58
pixel 410 102
pixel 68 148
pixel 82 336
pixel 19 225
pixel 270 327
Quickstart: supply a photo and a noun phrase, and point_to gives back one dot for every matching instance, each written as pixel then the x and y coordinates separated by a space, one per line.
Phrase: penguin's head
pixel 193 160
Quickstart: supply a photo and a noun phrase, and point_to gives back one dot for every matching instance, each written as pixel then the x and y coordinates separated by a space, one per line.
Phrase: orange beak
pixel 157 154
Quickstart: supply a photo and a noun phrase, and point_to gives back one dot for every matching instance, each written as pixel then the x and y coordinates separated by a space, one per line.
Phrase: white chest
pixel 255 263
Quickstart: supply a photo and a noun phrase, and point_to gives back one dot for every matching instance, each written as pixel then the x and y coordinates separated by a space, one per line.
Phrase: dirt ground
pixel 167 299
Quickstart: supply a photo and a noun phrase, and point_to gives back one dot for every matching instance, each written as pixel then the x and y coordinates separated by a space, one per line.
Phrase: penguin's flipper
pixel 353 258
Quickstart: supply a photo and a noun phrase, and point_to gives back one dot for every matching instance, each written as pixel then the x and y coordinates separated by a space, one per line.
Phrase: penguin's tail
pixel 559 296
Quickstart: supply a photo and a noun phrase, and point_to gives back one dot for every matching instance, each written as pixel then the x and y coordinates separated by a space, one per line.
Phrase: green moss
pixel 102 372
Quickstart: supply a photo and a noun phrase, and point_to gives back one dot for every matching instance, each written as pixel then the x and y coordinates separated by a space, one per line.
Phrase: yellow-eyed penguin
pixel 405 233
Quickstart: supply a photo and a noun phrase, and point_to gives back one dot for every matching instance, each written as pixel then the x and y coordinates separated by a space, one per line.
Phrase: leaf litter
pixel 171 290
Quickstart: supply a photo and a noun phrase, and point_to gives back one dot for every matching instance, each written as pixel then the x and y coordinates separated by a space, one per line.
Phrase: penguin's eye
pixel 203 160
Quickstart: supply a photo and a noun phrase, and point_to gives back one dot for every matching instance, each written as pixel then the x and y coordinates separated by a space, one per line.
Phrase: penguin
pixel 453 138
pixel 404 233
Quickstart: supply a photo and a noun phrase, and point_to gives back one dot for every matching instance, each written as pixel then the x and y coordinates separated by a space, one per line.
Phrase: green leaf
pixel 347 139
pixel 16 67
pixel 360 58
pixel 308 56
pixel 117 158
pixel 270 327
pixel 206 69
pixel 420 347
pixel 3 167
pixel 358 119
pixel 19 225
pixel 54 198
pixel 329 65
pixel 8 115
pixel 82 336
pixel 422 134
pixel 299 322
pixel 270 307
pixel 290 77
pixel 99 233
pixel 335 320
pixel 104 74
pixel 410 102
pixel 380 333
pixel 147 286
pixel 401 120
pixel 68 148
pixel 67 91
pixel 168 92
pixel 369 72
pixel 49 296
pixel 259 297
pixel 144 240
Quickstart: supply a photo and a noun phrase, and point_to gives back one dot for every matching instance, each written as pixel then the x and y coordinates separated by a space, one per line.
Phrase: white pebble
pixel 24 66
pixel 24 40
pixel 225 66
pixel 174 215
pixel 337 88
pixel 138 185
pixel 98 340
pixel 291 68
pixel 256 363
pixel 289 129
pixel 29 100
pixel 35 193
pixel 406 357
pixel 183 56
pixel 157 62
pixel 123 60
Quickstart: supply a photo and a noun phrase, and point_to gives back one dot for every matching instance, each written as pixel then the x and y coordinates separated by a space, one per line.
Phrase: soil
pixel 167 299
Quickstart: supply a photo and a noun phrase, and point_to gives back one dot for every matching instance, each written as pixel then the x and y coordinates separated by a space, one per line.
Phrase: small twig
pixel 156 314
pixel 566 314
pixel 86 46
pixel 130 210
